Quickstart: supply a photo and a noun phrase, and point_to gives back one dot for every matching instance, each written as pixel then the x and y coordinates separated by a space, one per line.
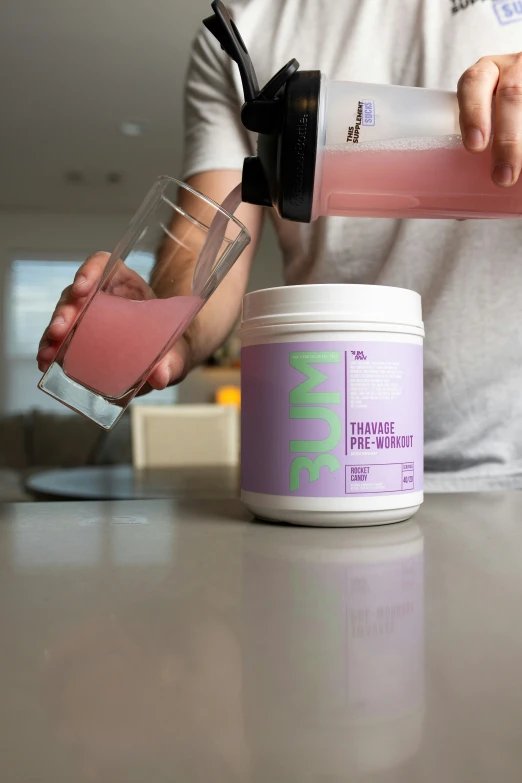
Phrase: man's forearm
pixel 176 260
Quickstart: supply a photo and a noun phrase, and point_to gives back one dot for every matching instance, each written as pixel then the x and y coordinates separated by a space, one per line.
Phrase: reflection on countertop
pixel 333 644
pixel 123 655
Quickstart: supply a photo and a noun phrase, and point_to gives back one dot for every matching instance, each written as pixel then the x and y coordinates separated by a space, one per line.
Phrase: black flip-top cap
pixel 283 173
pixel 298 146
pixel 223 27
pixel 285 115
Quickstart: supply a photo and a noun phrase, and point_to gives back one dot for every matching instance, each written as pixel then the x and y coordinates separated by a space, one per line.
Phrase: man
pixel 468 273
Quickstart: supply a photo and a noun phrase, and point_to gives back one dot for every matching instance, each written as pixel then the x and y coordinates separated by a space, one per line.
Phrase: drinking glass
pixel 124 329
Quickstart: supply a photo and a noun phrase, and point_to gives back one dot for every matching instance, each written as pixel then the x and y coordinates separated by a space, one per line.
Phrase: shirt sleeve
pixel 214 136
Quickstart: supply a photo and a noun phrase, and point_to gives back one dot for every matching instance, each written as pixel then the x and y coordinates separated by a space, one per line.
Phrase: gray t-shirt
pixel 468 273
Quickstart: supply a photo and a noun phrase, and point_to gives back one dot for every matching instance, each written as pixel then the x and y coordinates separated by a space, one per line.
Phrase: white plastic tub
pixel 332 404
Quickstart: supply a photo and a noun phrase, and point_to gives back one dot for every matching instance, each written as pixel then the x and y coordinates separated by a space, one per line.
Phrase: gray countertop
pixel 157 640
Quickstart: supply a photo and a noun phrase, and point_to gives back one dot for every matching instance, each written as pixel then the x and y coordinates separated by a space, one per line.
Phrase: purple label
pixel 332 419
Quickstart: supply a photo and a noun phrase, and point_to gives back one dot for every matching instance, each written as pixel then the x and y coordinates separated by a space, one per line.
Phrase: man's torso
pixel 469 274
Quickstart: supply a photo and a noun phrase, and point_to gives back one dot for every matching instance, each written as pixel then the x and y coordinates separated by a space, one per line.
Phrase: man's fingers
pixel 507 139
pixel 61 322
pixel 475 93
pixel 172 368
pixel 89 274
pixel 46 354
pixel 69 306
pixel 494 81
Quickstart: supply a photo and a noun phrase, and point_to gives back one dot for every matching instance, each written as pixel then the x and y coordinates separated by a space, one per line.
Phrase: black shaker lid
pixel 284 114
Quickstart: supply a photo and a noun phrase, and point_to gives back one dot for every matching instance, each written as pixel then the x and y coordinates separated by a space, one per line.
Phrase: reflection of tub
pixel 333 647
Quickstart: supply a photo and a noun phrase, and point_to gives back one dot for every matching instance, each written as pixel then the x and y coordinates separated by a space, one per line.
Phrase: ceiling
pixel 75 70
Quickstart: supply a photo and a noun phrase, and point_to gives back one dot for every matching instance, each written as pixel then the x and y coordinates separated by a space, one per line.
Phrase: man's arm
pixel 218 317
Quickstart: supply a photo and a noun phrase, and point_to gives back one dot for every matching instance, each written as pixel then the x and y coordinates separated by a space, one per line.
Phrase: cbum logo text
pixel 305 404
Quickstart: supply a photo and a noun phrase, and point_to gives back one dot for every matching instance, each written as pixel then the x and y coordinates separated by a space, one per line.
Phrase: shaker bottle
pixel 357 150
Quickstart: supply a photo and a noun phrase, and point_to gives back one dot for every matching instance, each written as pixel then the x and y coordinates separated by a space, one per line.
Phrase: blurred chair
pixel 184 435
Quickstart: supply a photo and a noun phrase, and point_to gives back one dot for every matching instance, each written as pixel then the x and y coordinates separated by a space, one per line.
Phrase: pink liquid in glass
pixel 424 178
pixel 119 339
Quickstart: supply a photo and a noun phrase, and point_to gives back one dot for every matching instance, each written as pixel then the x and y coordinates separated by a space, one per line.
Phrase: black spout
pixel 261 112
pixel 222 27
pixel 285 115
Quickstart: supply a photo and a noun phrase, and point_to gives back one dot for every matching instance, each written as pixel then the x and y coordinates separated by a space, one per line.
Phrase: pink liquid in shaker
pixel 413 178
pixel 118 339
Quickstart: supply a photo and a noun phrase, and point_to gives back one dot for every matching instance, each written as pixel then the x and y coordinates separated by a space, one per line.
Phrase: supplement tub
pixel 332 404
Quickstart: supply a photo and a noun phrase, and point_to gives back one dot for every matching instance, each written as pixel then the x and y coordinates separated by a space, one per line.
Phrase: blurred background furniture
pixel 202 385
pixel 123 482
pixel 179 451
pixel 32 441
pixel 188 435
pixel 48 454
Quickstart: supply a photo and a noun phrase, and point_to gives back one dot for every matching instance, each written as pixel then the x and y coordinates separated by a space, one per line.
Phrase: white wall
pixel 75 236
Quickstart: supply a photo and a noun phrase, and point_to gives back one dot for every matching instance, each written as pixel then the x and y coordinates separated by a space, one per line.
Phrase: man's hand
pixel 494 84
pixel 212 325
pixel 174 365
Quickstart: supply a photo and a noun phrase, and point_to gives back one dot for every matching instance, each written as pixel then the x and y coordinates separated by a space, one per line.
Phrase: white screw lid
pixel 332 303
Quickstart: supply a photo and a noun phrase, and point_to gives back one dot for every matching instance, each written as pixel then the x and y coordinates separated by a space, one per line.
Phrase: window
pixel 33 288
